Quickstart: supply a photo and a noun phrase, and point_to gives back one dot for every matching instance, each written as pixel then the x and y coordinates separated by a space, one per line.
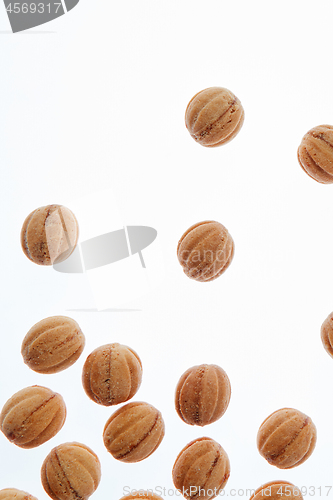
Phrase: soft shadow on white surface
pixel 27 33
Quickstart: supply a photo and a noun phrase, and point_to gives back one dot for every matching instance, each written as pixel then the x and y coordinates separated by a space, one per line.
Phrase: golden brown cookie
pixel 287 438
pixel 327 334
pixel 205 251
pixel 202 394
pixel 32 416
pixel 142 495
pixel 201 469
pixel 315 153
pixel 71 471
pixel 133 432
pixel 277 490
pixel 49 235
pixel 52 344
pixel 214 116
pixel 14 494
pixel 112 374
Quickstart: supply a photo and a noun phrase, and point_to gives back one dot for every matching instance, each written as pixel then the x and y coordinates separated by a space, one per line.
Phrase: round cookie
pixel 286 438
pixel 71 471
pixel 214 116
pixel 133 432
pixel 53 344
pixel 141 495
pixel 201 469
pixel 14 494
pixel 277 490
pixel 202 394
pixel 315 154
pixel 112 374
pixel 49 235
pixel 32 416
pixel 205 251
pixel 327 334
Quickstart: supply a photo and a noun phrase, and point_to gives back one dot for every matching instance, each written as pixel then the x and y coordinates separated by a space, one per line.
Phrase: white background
pixel 96 100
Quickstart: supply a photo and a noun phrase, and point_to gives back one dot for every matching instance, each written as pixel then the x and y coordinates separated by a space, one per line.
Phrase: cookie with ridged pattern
pixel 214 116
pixel 201 469
pixel 53 344
pixel 277 490
pixel 315 154
pixel 49 235
pixel 32 416
pixel 205 251
pixel 134 432
pixel 286 438
pixel 112 374
pixel 71 471
pixel 202 394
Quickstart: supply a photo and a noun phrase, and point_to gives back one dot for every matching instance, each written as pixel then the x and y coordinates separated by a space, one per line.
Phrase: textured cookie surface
pixel 112 374
pixel 202 394
pixel 134 432
pixel 201 469
pixel 327 334
pixel 287 438
pixel 32 416
pixel 53 344
pixel 315 153
pixel 71 471
pixel 49 235
pixel 214 116
pixel 277 490
pixel 205 251
pixel 14 494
